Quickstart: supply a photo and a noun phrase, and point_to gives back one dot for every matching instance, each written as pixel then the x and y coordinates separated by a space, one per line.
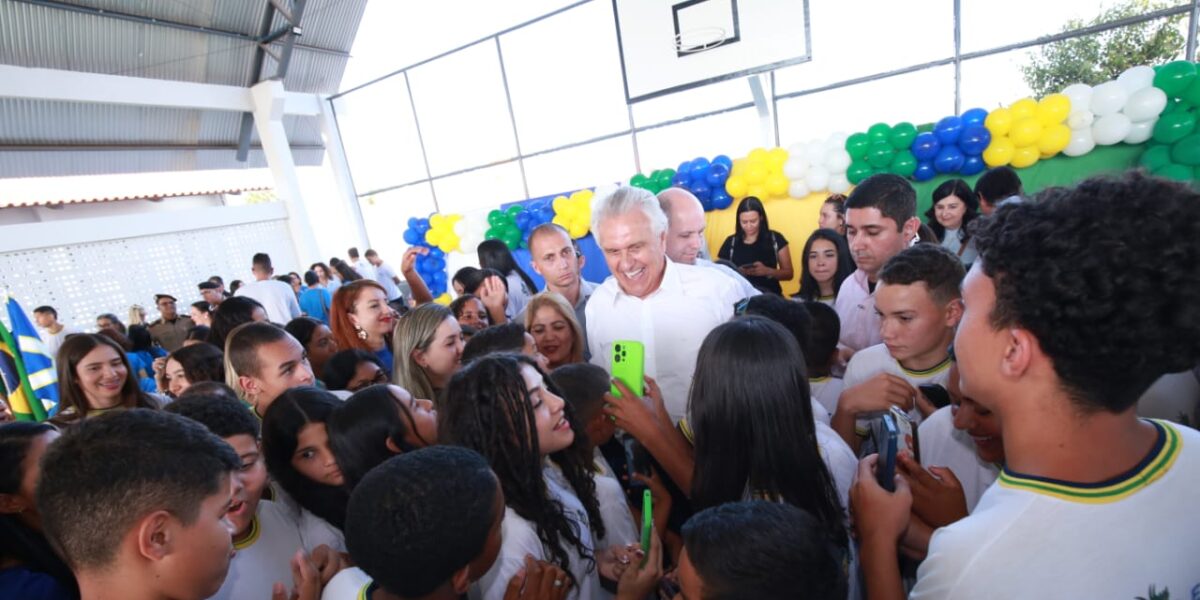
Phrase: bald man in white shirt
pixel 668 307
pixel 685 235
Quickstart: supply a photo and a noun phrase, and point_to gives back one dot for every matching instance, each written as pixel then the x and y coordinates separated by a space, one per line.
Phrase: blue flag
pixel 38 364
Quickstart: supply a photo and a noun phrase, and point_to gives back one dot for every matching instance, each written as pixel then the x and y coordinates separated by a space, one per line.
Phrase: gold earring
pixel 362 335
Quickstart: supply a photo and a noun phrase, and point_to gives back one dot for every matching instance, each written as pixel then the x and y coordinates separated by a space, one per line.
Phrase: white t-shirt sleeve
pixel 315 531
pixel 520 539
pixel 348 584
pixel 619 526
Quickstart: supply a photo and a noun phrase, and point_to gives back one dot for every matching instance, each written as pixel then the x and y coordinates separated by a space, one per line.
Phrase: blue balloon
pixel 925 146
pixel 685 167
pixel 924 172
pixel 412 237
pixel 523 220
pixel 412 222
pixel 948 160
pixel 974 140
pixel 972 165
pixel 721 199
pixel 699 167
pixel 706 203
pixel 948 129
pixel 721 159
pixel 436 264
pixel 974 117
pixel 717 174
pixel 681 179
pixel 435 253
pixel 701 190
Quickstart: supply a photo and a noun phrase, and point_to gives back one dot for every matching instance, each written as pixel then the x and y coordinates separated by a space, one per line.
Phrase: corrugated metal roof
pixel 37 191
pixel 55 37
pixel 52 163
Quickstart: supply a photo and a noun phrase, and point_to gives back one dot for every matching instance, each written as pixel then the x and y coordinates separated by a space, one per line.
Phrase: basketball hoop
pixel 699 40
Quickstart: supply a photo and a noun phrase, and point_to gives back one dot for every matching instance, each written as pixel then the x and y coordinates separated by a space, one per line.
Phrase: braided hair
pixel 488 410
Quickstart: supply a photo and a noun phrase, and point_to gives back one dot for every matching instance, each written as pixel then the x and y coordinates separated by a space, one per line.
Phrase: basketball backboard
pixel 669 46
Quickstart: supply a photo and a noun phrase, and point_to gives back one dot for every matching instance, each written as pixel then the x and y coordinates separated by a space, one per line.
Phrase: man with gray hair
pixel 685 235
pixel 668 307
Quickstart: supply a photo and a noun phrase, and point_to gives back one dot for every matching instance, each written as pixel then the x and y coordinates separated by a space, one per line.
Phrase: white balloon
pixel 1136 78
pixel 817 179
pixel 1110 129
pixel 1081 119
pixel 837 139
pixel 1108 98
pixel 1140 131
pixel 838 184
pixel 1081 143
pixel 838 161
pixel 798 189
pixel 1080 95
pixel 1145 104
pixel 799 149
pixel 795 168
pixel 815 153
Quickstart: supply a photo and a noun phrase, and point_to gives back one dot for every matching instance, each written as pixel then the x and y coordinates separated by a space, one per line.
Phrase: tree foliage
pixel 1096 58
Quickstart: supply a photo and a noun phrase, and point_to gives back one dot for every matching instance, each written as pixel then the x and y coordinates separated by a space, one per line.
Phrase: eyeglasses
pixel 380 377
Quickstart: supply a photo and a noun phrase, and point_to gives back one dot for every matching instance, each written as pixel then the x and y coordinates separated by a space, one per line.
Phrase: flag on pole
pixel 16 384
pixel 39 365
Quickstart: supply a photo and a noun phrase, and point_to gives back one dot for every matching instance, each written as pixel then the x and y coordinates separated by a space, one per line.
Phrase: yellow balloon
pixel 999 152
pixel 1053 109
pixel 559 204
pixel 444 299
pixel 735 186
pixel 433 237
pixel 756 174
pixel 757 190
pixel 1025 156
pixel 562 221
pixel 758 156
pixel 1023 108
pixel 435 221
pixel 998 122
pixel 777 185
pixel 776 158
pixel 1025 132
pixel 578 230
pixel 1054 139
pixel 739 167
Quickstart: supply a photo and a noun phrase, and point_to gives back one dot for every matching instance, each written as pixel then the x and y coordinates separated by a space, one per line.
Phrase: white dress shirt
pixel 748 290
pixel 671 323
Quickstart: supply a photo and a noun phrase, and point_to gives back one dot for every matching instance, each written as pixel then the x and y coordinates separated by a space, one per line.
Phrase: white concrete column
pixel 335 157
pixel 269 99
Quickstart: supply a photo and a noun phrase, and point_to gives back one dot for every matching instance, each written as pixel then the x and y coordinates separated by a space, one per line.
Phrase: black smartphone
pixel 935 393
pixel 887 434
pixel 637 460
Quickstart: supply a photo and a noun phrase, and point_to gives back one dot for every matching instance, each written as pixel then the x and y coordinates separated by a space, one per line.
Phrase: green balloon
pixel 1155 158
pixel 513 211
pixel 879 131
pixel 1191 95
pixel 904 165
pixel 903 135
pixel 1175 171
pixel 1174 127
pixel 511 236
pixel 639 180
pixel 1187 151
pixel 1175 77
pixel 880 155
pixel 858 171
pixel 495 218
pixel 857 145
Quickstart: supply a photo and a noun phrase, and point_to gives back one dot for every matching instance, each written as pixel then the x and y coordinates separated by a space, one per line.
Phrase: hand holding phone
pixel 628 364
pixel 886 440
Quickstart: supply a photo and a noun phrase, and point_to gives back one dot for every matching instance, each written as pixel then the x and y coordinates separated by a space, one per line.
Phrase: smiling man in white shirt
pixel 668 307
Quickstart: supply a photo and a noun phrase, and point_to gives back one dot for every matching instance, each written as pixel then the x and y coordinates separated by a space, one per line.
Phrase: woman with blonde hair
pixel 428 347
pixel 552 323
pixel 137 315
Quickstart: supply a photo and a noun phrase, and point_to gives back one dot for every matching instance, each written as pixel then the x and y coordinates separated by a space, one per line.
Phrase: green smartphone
pixel 628 364
pixel 647 522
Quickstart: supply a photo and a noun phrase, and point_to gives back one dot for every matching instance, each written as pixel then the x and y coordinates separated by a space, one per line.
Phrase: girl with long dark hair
pixel 29 567
pixel 295 444
pixel 376 424
pixel 94 376
pixel 231 313
pixel 317 339
pixel 954 207
pixel 759 252
pixel 192 364
pixel 827 264
pixel 493 254
pixel 501 407
pixel 753 428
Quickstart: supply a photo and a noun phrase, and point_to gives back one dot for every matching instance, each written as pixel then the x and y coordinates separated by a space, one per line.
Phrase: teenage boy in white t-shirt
pixel 918 303
pixel 265 537
pixel 1077 303
pixel 821 354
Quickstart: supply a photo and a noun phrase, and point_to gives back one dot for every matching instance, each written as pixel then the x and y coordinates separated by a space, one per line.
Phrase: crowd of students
pixel 379 447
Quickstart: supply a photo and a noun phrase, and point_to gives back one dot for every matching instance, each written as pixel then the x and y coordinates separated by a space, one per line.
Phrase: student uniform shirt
pixel 943 445
pixel 277 298
pixel 825 391
pixel 518 295
pixel 671 323
pixel 1134 536
pixel 265 557
pixel 348 584
pixel 874 360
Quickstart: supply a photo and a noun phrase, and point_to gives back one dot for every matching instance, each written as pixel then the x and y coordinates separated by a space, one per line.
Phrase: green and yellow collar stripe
pixel 934 370
pixel 251 536
pixel 366 591
pixel 1154 466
